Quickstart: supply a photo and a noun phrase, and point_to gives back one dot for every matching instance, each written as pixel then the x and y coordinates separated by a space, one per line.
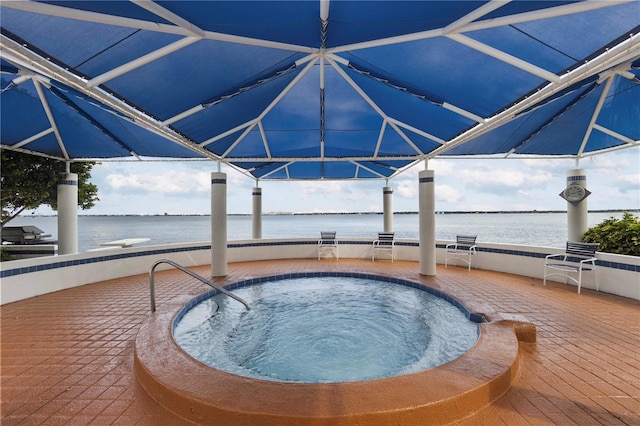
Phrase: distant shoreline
pixel 350 213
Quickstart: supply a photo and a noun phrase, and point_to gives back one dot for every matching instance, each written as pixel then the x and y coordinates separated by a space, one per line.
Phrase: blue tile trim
pixel 97 259
pixel 576 178
pixel 426 180
pixel 68 182
pixel 294 275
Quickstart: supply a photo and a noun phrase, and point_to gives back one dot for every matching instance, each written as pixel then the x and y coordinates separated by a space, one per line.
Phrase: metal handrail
pixel 194 275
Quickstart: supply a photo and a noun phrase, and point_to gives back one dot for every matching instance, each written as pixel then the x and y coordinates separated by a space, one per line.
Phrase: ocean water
pixel 537 229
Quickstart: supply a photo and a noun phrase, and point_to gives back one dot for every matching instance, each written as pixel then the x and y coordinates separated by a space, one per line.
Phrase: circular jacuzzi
pixel 323 329
pixel 414 392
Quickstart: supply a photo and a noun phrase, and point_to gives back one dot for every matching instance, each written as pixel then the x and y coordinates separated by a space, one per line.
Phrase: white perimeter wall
pixel 22 279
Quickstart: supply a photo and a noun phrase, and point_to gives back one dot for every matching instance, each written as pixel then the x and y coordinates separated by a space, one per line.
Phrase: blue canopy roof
pixel 319 89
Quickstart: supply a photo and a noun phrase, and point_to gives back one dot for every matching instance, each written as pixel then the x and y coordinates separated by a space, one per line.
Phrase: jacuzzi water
pixel 325 329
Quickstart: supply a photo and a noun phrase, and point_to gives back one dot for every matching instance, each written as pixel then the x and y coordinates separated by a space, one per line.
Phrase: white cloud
pixel 236 178
pixel 406 188
pixel 492 179
pixel 168 182
pixel 447 193
pixel 628 182
pixel 309 189
pixel 444 167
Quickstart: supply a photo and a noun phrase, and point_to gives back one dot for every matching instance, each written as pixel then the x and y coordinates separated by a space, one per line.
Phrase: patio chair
pixel 327 244
pixel 463 249
pixel 384 243
pixel 577 258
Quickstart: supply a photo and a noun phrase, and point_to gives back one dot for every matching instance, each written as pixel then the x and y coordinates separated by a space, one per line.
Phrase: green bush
pixel 621 236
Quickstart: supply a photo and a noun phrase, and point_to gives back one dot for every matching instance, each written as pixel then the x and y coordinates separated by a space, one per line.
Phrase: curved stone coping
pixel 439 395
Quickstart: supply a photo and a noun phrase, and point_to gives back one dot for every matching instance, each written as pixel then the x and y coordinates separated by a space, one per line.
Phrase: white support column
pixel 256 219
pixel 577 213
pixel 68 214
pixel 387 208
pixel 427 222
pixel 218 224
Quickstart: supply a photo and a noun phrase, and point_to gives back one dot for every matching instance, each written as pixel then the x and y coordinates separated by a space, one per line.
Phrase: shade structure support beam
pixel 356 171
pixel 369 169
pixel 324 10
pixel 156 9
pixel 284 166
pixel 515 156
pixel 484 24
pixel 252 122
pixel 326 159
pixel 616 135
pixel 142 60
pixel 405 138
pixel 32 138
pixel 100 18
pixel 97 93
pixel 553 119
pixel 19 80
pixel 228 132
pixel 284 92
pixel 476 14
pixel 197 108
pixel 103 18
pixel 380 137
pixel 357 88
pixel 375 106
pixel 463 112
pixel 322 116
pixel 504 57
pixel 551 12
pixel 39 65
pixel 423 97
pixel 237 141
pixel 596 113
pixel 51 118
pixel 288 88
pixel 386 119
pixel 418 131
pixel 623 52
pixel 263 136
pixel 93 122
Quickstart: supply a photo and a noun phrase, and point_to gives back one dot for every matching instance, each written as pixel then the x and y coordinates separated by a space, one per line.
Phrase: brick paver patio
pixel 67 357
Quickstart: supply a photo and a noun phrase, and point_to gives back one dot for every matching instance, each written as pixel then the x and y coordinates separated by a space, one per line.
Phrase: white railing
pixel 152 282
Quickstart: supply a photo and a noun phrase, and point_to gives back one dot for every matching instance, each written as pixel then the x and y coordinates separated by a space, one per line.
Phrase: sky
pixel 177 188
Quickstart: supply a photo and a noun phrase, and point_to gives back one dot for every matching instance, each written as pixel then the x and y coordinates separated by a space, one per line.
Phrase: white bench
pixel 464 247
pixel 577 258
pixel 384 243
